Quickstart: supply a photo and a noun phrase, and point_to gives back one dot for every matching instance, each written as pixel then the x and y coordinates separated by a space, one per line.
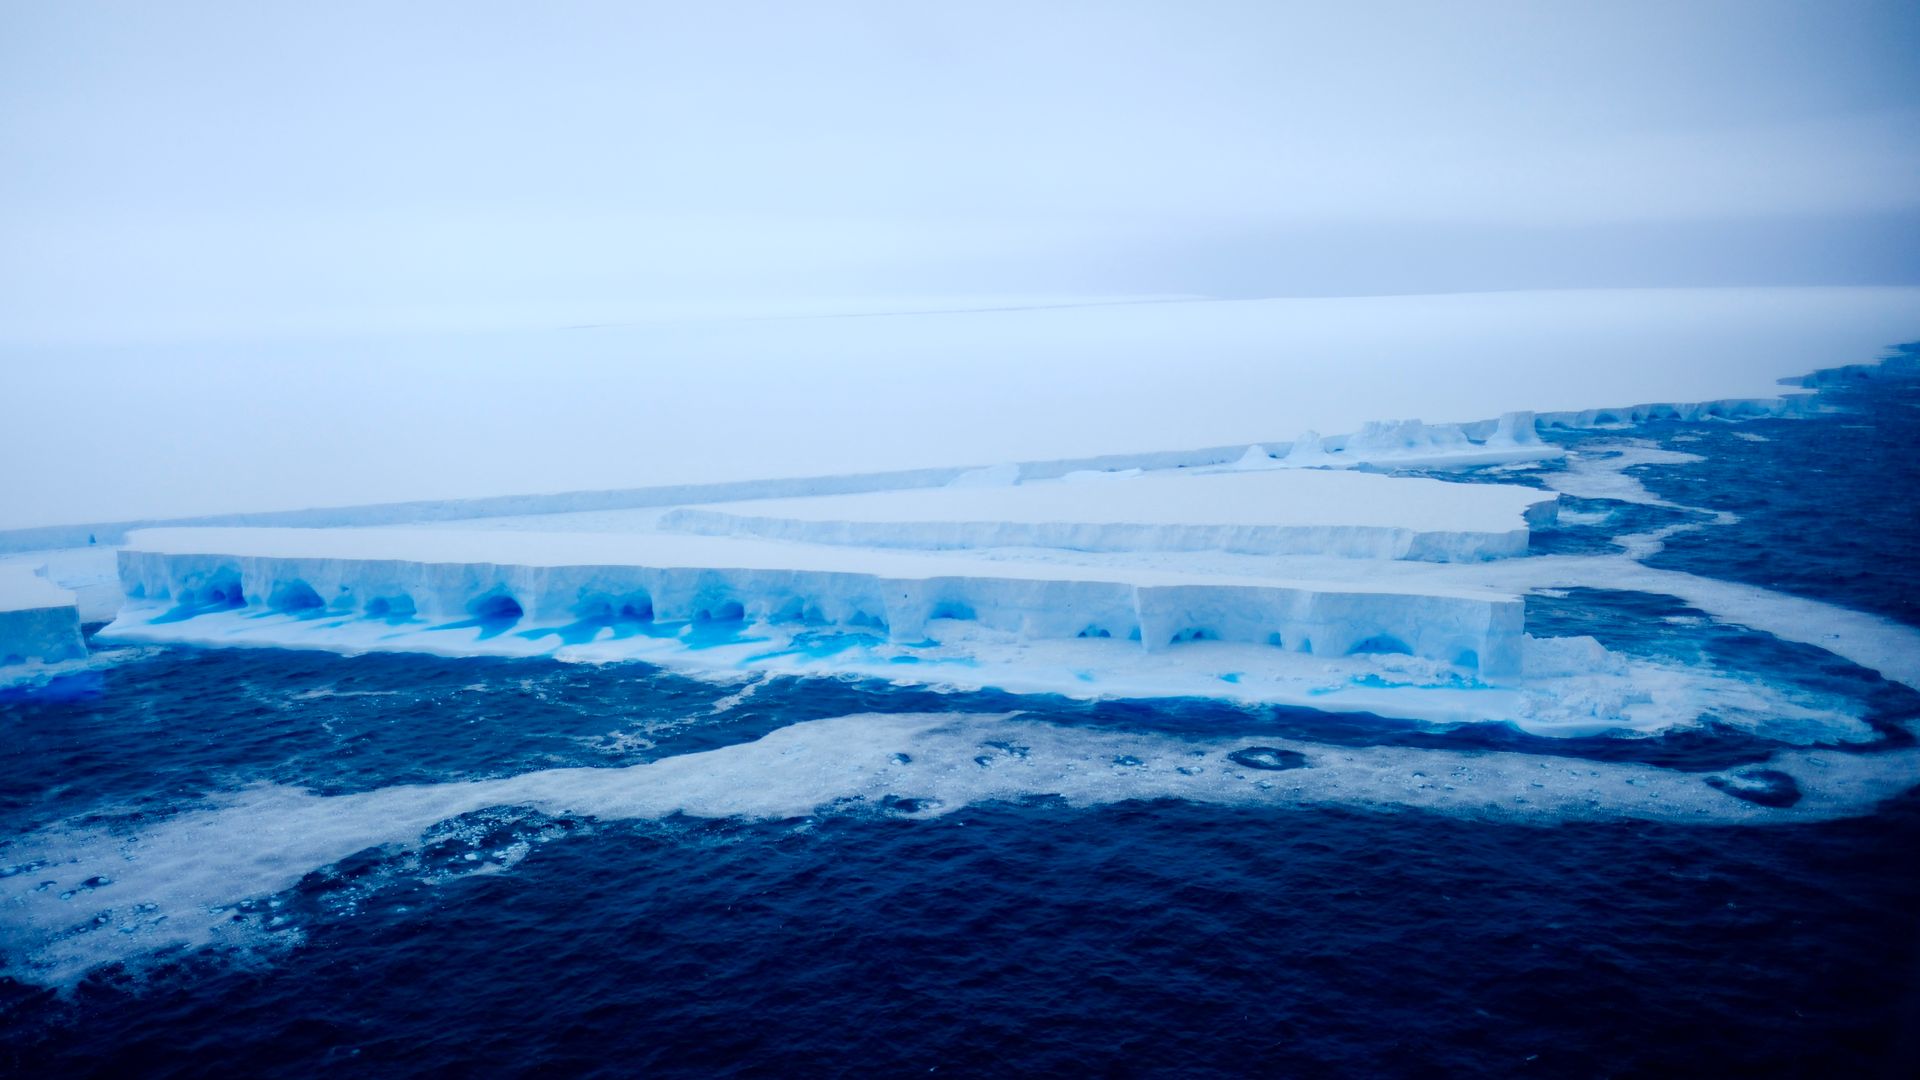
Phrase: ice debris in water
pixel 280 857
pixel 1764 787
pixel 1268 757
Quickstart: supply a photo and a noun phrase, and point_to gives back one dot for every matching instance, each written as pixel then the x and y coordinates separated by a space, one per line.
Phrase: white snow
pixel 91 574
pixel 1260 512
pixel 22 588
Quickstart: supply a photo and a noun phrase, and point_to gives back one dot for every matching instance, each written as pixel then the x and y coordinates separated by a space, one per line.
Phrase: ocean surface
pixel 1023 932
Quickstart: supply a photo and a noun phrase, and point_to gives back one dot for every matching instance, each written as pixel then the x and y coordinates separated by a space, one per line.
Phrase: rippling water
pixel 1106 888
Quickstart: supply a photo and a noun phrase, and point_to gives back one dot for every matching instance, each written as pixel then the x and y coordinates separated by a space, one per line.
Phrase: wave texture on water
pixel 409 863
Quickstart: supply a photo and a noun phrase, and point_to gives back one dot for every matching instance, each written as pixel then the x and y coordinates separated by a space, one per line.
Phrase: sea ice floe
pixel 1599 471
pixel 74 896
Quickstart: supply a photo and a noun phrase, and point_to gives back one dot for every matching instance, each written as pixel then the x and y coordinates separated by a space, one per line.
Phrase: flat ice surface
pixel 21 589
pixel 259 426
pixel 500 547
pixel 89 573
pixel 1262 511
pixel 1287 498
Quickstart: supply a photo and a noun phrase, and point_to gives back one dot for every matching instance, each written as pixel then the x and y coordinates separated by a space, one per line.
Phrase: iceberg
pixel 588 587
pixel 1289 570
pixel 1336 590
pixel 1514 437
pixel 39 624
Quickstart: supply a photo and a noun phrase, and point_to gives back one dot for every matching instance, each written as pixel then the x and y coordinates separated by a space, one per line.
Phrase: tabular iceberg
pixel 591 586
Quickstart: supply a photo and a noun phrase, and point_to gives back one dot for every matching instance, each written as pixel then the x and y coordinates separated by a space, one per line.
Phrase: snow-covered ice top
pixel 39 623
pixel 496 548
pixel 1283 511
pixel 21 589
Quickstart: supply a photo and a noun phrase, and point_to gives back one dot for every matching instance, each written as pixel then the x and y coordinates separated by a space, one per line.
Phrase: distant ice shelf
pixel 784 407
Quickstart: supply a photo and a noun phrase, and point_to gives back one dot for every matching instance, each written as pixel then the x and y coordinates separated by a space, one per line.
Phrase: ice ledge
pixel 1257 511
pixel 588 587
pixel 1512 437
pixel 39 623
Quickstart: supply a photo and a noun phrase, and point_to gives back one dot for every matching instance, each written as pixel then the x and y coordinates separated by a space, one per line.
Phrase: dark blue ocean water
pixel 1136 938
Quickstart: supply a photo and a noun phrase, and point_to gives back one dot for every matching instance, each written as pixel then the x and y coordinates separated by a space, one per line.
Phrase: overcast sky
pixel 186 170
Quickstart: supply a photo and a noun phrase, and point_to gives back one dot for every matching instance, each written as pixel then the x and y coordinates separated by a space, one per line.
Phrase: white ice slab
pixel 1280 512
pixel 39 623
pixel 588 579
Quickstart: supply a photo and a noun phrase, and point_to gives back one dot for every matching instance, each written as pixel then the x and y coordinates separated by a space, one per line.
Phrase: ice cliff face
pixel 588 587
pixel 39 622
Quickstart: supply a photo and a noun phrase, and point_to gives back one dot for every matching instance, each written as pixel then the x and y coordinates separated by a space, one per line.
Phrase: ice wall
pixel 39 622
pixel 594 583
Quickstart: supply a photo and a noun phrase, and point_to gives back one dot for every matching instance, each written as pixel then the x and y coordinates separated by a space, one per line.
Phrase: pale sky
pixel 261 256
pixel 193 169
pixel 110 434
